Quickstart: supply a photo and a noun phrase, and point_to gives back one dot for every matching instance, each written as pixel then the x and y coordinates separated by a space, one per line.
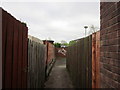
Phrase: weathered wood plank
pixel 97 59
pixel 9 53
pixel 0 48
pixel 12 51
pixel 79 62
pixel 24 58
pixel 36 62
pixel 20 54
pixel 15 55
pixel 4 36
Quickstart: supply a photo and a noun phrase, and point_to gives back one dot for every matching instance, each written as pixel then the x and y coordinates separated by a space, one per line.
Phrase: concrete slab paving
pixel 59 77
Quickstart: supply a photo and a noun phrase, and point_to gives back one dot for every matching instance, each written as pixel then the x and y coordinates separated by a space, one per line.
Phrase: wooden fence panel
pixel 15 56
pixel 79 61
pixel 4 28
pixel 83 61
pixel 20 53
pixel 36 63
pixel 0 48
pixel 25 59
pixel 95 60
pixel 98 60
pixel 12 48
pixel 90 62
pixel 9 53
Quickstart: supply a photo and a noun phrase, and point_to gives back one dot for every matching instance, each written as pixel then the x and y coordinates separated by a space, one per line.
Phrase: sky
pixel 56 20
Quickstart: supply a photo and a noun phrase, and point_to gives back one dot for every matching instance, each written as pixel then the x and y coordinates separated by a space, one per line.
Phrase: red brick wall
pixel 110 44
pixel 51 52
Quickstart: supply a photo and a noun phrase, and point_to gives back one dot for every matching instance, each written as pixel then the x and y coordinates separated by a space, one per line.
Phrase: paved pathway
pixel 59 77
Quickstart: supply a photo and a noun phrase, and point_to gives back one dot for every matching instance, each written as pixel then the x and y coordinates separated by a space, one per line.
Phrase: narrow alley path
pixel 59 77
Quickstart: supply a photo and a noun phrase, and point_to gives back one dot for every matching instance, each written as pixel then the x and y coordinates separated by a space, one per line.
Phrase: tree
pixel 58 45
pixel 72 42
pixel 24 23
pixel 64 43
pixel 93 29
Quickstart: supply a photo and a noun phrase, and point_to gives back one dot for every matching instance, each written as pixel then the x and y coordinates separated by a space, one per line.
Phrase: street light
pixel 85 29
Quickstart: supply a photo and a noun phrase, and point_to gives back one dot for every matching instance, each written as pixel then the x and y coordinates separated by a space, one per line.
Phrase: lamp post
pixel 85 29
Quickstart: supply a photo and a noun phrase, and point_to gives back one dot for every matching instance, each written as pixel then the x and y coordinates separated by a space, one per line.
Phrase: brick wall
pixel 50 56
pixel 51 52
pixel 110 45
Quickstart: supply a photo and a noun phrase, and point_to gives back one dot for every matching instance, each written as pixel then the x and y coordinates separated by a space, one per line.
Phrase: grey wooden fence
pixel 79 62
pixel 36 63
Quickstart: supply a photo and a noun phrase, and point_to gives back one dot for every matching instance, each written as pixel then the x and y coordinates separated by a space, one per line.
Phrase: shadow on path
pixel 59 77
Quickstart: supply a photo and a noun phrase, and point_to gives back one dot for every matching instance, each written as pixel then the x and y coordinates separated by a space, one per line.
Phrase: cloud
pixel 58 20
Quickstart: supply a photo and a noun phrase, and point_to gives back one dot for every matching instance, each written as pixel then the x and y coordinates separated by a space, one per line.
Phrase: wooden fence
pixel 83 63
pixel 14 52
pixel 36 63
pixel 0 48
pixel 96 60
pixel 23 59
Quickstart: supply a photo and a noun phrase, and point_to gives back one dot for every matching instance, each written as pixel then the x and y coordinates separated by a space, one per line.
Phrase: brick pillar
pixel 110 45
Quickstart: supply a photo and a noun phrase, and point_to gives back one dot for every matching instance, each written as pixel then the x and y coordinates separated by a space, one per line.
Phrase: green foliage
pixel 58 45
pixel 66 44
pixel 24 23
pixel 72 42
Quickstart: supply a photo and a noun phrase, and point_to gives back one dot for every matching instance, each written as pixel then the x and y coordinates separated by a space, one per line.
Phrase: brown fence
pixel 14 52
pixel 36 63
pixel 80 60
pixel 23 59
pixel 0 48
pixel 96 60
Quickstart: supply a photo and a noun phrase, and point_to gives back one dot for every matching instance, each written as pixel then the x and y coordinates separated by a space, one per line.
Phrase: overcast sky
pixel 56 20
